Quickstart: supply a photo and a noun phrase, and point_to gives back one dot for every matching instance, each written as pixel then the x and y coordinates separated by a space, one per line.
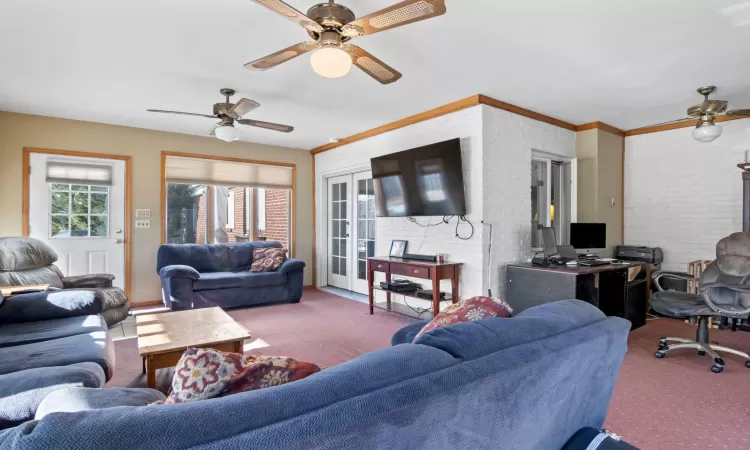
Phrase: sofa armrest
pixel 94 280
pixel 290 265
pixel 38 306
pixel 406 335
pixel 179 271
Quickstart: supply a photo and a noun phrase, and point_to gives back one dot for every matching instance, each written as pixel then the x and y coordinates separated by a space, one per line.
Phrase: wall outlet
pixel 143 224
pixel 142 213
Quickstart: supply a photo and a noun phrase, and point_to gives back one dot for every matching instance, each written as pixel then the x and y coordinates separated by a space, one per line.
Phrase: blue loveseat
pixel 529 382
pixel 201 276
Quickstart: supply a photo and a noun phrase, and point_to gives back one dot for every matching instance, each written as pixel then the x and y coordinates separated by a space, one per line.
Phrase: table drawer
pixel 410 271
pixel 379 266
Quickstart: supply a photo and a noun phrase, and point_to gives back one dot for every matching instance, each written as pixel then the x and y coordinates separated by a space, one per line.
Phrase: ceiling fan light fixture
pixel 331 62
pixel 706 130
pixel 227 133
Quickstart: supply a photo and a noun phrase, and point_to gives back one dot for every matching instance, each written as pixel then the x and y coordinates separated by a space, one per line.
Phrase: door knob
pixel 118 241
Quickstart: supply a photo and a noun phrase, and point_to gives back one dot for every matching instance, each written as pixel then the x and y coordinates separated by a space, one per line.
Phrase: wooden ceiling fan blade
pixel 290 13
pixel 739 113
pixel 371 65
pixel 161 111
pixel 282 56
pixel 267 125
pixel 242 107
pixel 400 14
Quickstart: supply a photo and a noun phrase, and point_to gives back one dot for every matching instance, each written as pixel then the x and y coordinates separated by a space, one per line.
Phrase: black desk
pixel 605 287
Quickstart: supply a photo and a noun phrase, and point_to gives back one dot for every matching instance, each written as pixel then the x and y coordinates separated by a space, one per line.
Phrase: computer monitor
pixel 584 236
pixel 549 242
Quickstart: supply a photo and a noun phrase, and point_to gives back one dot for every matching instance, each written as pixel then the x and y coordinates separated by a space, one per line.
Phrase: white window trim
pixel 230 209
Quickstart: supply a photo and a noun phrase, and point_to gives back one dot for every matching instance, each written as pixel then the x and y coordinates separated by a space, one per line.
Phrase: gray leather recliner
pixel 724 291
pixel 29 261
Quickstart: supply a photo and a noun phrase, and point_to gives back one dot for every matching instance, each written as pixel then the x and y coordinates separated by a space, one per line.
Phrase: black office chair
pixel 724 290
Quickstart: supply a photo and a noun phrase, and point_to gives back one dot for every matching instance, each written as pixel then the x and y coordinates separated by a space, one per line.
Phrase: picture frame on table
pixel 398 248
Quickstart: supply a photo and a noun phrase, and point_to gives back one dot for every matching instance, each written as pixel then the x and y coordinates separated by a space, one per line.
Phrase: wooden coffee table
pixel 162 338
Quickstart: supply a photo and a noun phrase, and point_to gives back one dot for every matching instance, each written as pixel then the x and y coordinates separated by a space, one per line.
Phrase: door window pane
pixel 77 212
pixel 365 225
pixel 539 201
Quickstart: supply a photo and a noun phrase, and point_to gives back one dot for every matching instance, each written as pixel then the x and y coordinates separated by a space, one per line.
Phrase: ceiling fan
pixel 706 129
pixel 229 113
pixel 332 26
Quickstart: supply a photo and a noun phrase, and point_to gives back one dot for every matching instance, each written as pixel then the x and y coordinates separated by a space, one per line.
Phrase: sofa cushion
pixel 470 340
pixel 475 308
pixel 225 280
pixel 241 255
pixel 19 254
pixel 202 374
pixel 22 392
pixel 203 258
pixel 267 259
pixel 45 330
pixel 90 347
pixel 75 399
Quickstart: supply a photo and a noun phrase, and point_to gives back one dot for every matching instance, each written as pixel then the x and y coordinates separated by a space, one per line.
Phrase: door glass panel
pixel 79 211
pixel 539 201
pixel 365 225
pixel 338 229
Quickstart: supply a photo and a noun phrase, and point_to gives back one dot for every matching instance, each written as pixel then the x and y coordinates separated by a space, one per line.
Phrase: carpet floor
pixel 668 404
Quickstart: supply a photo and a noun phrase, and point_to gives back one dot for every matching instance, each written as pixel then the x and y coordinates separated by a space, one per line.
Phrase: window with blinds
pixel 225 202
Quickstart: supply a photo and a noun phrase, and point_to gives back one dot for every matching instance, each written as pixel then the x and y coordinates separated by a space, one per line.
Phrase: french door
pixel 83 221
pixel 351 230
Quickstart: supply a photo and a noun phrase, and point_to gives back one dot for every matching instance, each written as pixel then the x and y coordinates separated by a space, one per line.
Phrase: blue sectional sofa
pixel 50 341
pixel 529 382
pixel 201 276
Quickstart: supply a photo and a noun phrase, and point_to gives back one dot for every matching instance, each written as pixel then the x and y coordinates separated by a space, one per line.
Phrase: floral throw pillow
pixel 267 259
pixel 475 308
pixel 207 373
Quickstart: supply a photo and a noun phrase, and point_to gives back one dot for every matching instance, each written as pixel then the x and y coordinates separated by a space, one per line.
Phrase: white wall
pixel 467 125
pixel 496 152
pixel 508 140
pixel 683 195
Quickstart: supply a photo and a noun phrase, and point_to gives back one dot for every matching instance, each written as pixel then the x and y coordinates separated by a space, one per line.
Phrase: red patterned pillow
pixel 267 259
pixel 475 308
pixel 207 373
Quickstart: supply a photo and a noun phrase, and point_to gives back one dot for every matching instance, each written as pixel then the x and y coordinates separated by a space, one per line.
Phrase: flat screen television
pixel 424 181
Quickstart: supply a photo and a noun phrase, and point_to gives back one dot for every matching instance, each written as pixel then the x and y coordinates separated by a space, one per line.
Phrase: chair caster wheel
pixel 701 353
pixel 719 362
pixel 663 346
pixel 659 355
pixel 747 364
pixel 717 369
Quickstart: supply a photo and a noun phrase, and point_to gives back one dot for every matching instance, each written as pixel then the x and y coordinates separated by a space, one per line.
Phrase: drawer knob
pixel 380 266
pixel 416 270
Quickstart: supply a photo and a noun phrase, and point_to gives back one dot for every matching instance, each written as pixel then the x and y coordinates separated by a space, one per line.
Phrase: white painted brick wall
pixel 683 195
pixel 467 125
pixel 508 141
pixel 496 151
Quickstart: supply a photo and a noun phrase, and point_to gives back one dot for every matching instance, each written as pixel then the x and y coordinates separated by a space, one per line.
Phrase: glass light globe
pixel 706 132
pixel 331 62
pixel 227 133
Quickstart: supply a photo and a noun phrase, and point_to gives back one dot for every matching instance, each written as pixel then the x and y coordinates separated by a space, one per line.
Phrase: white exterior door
pixel 364 229
pixel 339 230
pixel 83 223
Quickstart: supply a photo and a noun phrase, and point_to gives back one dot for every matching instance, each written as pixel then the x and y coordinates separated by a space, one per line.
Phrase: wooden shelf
pixel 413 295
pixel 404 310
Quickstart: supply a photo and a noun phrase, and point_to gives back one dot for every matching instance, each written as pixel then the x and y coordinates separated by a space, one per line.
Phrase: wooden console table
pixel 415 269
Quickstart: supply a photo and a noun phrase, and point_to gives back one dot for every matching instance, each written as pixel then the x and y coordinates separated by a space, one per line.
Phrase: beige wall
pixel 599 156
pixel 144 146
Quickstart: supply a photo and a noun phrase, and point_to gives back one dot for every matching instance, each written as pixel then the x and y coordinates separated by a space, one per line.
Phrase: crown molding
pixel 459 105
pixel 676 125
pixel 600 126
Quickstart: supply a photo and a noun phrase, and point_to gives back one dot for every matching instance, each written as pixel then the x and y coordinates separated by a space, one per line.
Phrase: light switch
pixel 143 223
pixel 142 213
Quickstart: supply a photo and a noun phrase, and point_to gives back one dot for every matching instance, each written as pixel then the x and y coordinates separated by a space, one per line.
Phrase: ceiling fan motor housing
pixel 329 16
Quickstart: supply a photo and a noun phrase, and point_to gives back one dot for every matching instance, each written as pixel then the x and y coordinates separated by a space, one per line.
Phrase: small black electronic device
pixel 400 286
pixel 586 236
pixel 650 255
pixel 431 258
pixel 427 294
pixel 592 262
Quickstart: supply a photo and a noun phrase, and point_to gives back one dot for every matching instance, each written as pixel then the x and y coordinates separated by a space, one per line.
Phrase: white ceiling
pixel 628 63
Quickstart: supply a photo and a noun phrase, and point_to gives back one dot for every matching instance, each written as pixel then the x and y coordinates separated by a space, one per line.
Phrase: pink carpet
pixel 668 404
